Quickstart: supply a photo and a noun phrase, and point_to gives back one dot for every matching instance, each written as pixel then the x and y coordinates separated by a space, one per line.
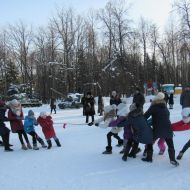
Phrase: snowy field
pixel 80 165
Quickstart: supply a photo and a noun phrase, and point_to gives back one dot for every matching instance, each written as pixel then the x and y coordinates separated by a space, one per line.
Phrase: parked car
pixel 70 103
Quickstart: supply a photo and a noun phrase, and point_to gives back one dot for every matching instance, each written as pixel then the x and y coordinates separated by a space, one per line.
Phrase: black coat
pixel 160 119
pixel 89 106
pixel 115 100
pixel 139 99
pixel 3 128
pixel 185 99
pixel 142 132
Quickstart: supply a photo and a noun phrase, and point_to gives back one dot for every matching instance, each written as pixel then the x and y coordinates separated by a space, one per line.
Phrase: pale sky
pixel 37 12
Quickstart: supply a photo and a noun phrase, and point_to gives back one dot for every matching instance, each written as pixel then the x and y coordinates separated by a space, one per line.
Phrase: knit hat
pixel 30 113
pixel 42 114
pixel 159 96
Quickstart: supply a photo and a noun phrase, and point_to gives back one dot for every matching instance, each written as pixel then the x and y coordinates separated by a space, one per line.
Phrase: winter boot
pixel 180 155
pixel 49 144
pixel 90 124
pixel 8 149
pixel 57 142
pixel 173 161
pixel 148 158
pixel 29 146
pixel 24 147
pixel 126 152
pixel 134 151
pixel 41 142
pixel 120 143
pixel 35 147
pixel 108 150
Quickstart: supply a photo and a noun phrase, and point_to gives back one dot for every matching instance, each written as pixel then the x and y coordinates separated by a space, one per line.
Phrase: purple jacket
pixel 114 123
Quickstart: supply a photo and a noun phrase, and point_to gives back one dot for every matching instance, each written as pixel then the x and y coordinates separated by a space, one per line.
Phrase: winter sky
pixel 37 12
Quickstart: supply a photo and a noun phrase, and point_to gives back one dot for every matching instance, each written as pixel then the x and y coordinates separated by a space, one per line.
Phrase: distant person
pixel 89 107
pixel 100 105
pixel 171 100
pixel 185 97
pixel 53 105
pixel 115 99
pixel 138 98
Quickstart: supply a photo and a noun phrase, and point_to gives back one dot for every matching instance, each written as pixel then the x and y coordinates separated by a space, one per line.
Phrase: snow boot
pixel 49 144
pixel 29 146
pixel 134 151
pixel 8 149
pixel 173 161
pixel 90 124
pixel 148 158
pixel 126 152
pixel 180 155
pixel 35 147
pixel 58 143
pixel 42 142
pixel 24 147
pixel 120 143
pixel 108 150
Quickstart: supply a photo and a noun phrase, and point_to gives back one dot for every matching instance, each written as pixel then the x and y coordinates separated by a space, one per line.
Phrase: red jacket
pixel 15 121
pixel 180 126
pixel 47 126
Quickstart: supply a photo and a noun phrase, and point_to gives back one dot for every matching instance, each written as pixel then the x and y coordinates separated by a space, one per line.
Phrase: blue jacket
pixel 29 123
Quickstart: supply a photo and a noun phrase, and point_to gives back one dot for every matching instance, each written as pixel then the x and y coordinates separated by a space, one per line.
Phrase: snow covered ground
pixel 80 165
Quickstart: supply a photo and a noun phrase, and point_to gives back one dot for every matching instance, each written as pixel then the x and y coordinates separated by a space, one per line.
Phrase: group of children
pixel 143 128
pixel 15 116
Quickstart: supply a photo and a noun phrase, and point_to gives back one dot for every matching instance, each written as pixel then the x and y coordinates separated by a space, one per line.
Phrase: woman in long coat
pixel 89 107
pixel 161 127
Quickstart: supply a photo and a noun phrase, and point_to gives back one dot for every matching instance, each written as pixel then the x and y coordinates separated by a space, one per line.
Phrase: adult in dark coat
pixel 185 98
pixel 161 127
pixel 138 98
pixel 115 99
pixel 83 104
pixel 53 105
pixel 89 107
pixel 4 131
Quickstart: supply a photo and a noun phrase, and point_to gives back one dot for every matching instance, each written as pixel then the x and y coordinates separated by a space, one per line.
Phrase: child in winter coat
pixel 46 123
pixel 15 116
pixel 4 131
pixel 136 131
pixel 109 116
pixel 29 122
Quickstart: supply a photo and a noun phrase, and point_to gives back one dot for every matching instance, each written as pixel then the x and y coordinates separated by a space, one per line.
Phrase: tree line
pixel 101 51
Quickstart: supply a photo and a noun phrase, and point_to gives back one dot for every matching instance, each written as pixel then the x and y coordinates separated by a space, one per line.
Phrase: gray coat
pixel 160 119
pixel 185 99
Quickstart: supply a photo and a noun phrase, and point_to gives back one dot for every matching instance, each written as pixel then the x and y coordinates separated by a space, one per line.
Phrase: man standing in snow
pixel 138 98
pixel 185 97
